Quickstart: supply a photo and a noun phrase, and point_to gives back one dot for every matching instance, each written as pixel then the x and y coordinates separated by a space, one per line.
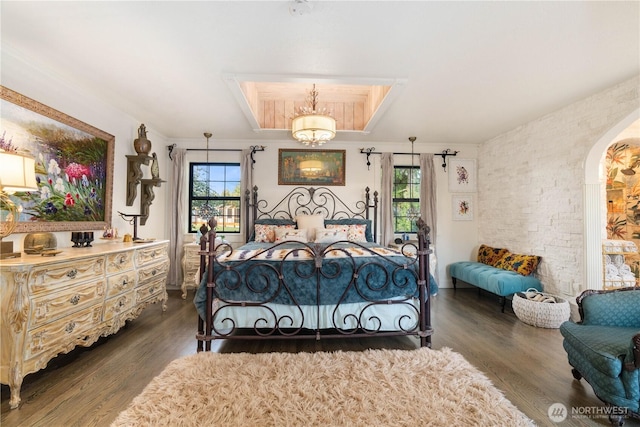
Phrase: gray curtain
pixel 386 199
pixel 177 224
pixel 246 183
pixel 428 199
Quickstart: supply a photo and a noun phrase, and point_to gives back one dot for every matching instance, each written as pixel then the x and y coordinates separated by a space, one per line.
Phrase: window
pixel 214 191
pixel 406 198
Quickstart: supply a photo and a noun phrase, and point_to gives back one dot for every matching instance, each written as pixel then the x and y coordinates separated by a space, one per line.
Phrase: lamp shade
pixel 18 172
pixel 313 128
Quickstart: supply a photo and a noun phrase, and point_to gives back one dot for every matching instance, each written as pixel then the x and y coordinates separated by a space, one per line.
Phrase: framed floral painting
pixel 463 207
pixel 462 176
pixel 74 166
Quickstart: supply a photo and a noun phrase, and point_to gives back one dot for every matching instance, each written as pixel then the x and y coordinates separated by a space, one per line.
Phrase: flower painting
pixel 462 176
pixel 462 206
pixel 74 166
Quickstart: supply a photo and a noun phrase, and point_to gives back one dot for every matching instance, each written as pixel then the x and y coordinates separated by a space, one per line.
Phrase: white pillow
pixel 310 222
pixel 328 235
pixel 287 234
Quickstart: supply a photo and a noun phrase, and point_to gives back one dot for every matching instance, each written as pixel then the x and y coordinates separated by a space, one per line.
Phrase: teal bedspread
pixel 286 273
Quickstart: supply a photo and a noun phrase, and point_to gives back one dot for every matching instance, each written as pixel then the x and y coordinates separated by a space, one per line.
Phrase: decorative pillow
pixel 287 234
pixel 355 233
pixel 521 264
pixel 329 235
pixel 353 221
pixel 270 221
pixel 488 255
pixel 266 233
pixel 310 222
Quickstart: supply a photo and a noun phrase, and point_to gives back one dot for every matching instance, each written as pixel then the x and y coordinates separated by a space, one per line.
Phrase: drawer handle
pixel 75 299
pixel 121 304
pixel 151 290
pixel 153 272
pixel 70 327
pixel 153 254
pixel 124 283
pixel 123 260
pixel 72 273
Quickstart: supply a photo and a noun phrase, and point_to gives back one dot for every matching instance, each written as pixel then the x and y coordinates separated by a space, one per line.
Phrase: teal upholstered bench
pixel 501 282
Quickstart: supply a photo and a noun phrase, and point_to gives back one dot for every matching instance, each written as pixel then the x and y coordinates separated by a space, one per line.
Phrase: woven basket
pixel 542 314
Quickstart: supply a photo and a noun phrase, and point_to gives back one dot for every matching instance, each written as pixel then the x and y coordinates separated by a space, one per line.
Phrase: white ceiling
pixel 473 69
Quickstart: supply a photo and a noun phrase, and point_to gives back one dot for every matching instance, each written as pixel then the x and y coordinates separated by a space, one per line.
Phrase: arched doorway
pixel 595 205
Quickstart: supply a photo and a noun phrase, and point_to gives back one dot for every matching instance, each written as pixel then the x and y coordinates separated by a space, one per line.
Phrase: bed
pixel 311 268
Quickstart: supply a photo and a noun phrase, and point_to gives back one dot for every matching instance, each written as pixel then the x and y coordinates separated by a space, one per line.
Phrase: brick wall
pixel 531 184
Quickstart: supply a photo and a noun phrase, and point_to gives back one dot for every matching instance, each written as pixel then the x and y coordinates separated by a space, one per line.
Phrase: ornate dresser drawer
pixel 46 308
pixel 152 271
pixel 56 337
pixel 149 290
pixel 118 305
pixel 146 256
pixel 54 276
pixel 120 261
pixel 120 283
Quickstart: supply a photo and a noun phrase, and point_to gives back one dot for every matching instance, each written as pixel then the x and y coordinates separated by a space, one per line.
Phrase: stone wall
pixel 531 183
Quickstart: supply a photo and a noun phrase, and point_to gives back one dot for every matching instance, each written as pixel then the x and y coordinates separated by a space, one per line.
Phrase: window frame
pixel 220 227
pixel 397 200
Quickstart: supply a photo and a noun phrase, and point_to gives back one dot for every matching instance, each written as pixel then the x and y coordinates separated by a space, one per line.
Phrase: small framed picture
pixel 462 176
pixel 463 207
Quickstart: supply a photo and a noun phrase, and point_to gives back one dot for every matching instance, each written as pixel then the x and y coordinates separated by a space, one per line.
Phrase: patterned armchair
pixel 604 348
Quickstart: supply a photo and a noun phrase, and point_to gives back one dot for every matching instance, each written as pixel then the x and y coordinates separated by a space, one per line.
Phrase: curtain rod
pixel 444 154
pixel 254 149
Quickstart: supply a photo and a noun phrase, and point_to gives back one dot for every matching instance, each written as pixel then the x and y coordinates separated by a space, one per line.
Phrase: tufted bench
pixel 497 272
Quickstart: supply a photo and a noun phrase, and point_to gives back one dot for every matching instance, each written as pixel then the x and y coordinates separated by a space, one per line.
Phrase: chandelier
pixel 311 126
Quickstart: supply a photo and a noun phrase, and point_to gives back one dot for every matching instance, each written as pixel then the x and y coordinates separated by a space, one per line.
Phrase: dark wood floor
pixel 89 387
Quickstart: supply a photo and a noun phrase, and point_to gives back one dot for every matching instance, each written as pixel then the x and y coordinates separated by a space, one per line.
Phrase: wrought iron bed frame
pixel 303 200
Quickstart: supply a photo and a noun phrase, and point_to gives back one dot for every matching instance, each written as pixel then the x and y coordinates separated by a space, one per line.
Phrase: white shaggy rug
pixel 370 388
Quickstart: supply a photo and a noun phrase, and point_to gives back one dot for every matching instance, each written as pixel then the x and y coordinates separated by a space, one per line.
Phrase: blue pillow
pixel 353 221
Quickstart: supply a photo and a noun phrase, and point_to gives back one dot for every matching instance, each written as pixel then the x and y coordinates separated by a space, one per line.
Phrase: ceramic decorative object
pixel 141 144
pixel 38 242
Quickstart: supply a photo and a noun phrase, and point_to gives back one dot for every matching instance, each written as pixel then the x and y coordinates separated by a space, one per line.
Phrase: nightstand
pixel 190 267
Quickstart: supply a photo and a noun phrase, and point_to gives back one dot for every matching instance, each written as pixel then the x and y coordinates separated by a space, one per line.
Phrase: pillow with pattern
pixel 353 221
pixel 521 264
pixel 488 255
pixel 287 234
pixel 266 233
pixel 270 221
pixel 329 235
pixel 355 232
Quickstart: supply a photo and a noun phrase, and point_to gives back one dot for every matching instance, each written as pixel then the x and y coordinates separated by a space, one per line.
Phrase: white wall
pixel 24 77
pixel 456 240
pixel 532 184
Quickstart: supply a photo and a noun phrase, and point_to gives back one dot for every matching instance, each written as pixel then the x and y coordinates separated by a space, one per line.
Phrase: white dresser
pixel 52 304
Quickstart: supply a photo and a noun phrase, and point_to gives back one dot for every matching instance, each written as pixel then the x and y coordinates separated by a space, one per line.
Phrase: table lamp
pixel 17 173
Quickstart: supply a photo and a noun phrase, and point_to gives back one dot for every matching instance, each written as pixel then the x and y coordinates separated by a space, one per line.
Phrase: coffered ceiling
pixel 450 72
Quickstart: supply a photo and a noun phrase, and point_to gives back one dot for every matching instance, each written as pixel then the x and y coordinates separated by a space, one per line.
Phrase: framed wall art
pixel 311 167
pixel 463 207
pixel 462 176
pixel 74 166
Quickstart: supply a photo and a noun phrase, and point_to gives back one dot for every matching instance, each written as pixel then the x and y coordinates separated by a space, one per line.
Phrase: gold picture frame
pixel 74 166
pixel 311 167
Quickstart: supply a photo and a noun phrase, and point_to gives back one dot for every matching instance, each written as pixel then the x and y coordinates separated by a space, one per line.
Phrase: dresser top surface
pixel 71 253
